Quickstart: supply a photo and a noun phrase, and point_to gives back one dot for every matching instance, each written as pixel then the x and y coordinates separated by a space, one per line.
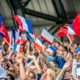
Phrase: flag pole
pixel 58 40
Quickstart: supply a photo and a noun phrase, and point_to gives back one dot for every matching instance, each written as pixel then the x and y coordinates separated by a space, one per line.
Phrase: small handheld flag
pixel 38 44
pixel 47 36
pixel 18 48
pixel 51 49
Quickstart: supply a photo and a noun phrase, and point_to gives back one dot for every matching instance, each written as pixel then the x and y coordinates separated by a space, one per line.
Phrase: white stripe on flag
pixel 70 30
pixel 25 26
pixel 47 36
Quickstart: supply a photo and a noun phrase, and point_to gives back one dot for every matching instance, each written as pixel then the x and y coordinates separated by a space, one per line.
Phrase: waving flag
pixel 38 44
pixel 4 32
pixel 47 36
pixel 70 33
pixel 51 49
pixel 30 31
pixel 6 36
pixel 63 31
pixel 21 41
pixel 70 30
pixel 1 20
pixel 18 48
pixel 70 37
pixel 21 22
pixel 15 35
pixel 76 25
pixel 29 25
pixel 24 24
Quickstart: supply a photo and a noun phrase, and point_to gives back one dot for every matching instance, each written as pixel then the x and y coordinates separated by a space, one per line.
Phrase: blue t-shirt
pixel 60 61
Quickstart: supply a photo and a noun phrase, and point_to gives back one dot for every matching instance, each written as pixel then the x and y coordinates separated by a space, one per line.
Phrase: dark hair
pixel 36 54
pixel 34 75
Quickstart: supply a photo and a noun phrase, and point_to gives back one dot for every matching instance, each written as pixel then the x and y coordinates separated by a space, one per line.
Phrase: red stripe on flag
pixel 46 39
pixel 37 46
pixel 21 49
pixel 62 32
pixel 18 20
pixel 71 37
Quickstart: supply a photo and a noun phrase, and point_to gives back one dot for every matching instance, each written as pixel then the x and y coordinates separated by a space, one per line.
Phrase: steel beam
pixel 42 15
pixel 54 2
pixel 26 3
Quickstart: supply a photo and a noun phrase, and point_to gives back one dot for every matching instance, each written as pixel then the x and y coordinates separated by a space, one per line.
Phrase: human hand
pixel 67 65
pixel 10 48
pixel 19 58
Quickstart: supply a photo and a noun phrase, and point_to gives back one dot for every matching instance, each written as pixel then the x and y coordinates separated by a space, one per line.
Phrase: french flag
pixel 21 22
pixel 47 36
pixel 70 33
pixel 24 24
pixel 4 32
pixel 21 41
pixel 28 22
pixel 15 35
pixel 1 25
pixel 70 30
pixel 51 49
pixel 18 48
pixel 78 50
pixel 38 44
pixel 70 37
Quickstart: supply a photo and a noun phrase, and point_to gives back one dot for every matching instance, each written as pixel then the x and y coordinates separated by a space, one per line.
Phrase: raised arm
pixel 21 66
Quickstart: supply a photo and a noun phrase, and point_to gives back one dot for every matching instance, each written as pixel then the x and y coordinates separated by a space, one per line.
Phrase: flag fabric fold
pixel 76 25
pixel 4 32
pixel 70 33
pixel 62 31
pixel 24 24
pixel 70 37
pixel 21 41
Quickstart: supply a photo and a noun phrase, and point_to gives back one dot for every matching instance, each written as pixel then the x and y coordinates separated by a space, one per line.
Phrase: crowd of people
pixel 33 64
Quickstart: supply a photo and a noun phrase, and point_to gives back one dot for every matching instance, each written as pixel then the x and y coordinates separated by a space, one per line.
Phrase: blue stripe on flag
pixel 70 25
pixel 52 48
pixel 28 22
pixel 1 20
pixel 1 35
pixel 14 47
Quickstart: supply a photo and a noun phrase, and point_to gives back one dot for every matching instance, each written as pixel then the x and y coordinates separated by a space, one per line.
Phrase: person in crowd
pixel 34 64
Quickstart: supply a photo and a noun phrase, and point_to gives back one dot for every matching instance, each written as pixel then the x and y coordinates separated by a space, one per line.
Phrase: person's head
pixel 31 76
pixel 56 44
pixel 36 54
pixel 75 46
pixel 49 75
pixel 33 69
